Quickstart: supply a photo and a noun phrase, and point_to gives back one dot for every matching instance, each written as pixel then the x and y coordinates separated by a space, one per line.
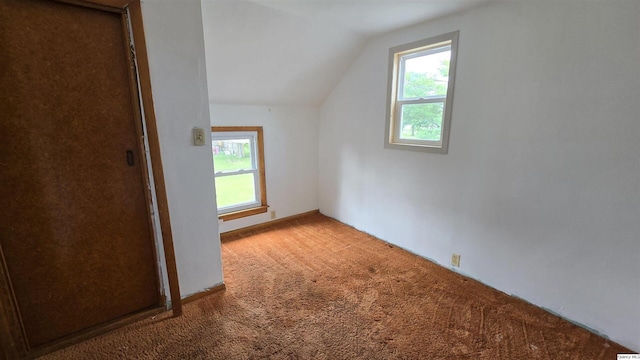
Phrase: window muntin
pixel 420 94
pixel 238 163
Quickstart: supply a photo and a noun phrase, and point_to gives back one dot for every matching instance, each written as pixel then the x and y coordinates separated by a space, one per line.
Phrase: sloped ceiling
pixel 293 52
pixel 370 17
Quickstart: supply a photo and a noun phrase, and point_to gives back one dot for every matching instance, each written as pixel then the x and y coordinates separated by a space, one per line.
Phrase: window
pixel 238 162
pixel 420 94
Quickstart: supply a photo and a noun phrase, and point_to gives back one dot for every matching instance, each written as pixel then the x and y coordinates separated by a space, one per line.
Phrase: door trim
pixel 13 342
pixel 137 30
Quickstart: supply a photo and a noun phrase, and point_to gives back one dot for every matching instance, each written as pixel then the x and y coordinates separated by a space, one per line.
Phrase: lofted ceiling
pixel 293 52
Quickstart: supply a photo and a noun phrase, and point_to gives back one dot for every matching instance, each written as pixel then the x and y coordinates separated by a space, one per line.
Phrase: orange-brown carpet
pixel 314 288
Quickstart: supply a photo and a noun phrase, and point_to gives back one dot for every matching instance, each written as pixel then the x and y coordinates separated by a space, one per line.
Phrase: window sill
pixel 417 147
pixel 243 213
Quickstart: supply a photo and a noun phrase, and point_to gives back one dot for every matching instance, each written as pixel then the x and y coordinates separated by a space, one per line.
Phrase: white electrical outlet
pixel 455 260
pixel 273 214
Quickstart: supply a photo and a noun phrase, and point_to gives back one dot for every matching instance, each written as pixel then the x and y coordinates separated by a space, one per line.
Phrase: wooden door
pixel 74 215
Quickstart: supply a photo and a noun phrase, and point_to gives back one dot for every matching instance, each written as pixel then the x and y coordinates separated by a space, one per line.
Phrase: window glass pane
pixel 235 190
pixel 422 121
pixel 426 75
pixel 232 155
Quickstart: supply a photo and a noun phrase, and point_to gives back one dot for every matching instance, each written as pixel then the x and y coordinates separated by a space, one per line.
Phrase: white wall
pixel 291 156
pixel 540 191
pixel 177 63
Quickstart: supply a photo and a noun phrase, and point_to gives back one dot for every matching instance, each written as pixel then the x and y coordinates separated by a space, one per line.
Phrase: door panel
pixel 74 224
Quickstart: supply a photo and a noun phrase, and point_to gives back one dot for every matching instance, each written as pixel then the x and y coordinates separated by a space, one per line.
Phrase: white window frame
pixel 254 134
pixel 397 58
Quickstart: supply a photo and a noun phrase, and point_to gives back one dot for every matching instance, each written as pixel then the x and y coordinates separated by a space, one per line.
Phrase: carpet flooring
pixel 314 288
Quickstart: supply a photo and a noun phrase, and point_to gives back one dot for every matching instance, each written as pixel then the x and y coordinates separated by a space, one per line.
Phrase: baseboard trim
pixel 203 293
pixel 228 234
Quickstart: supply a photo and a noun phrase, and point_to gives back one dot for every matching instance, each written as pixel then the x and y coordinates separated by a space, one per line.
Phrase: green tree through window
pixel 424 120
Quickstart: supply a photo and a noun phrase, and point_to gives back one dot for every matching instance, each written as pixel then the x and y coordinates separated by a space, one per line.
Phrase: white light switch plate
pixel 198 137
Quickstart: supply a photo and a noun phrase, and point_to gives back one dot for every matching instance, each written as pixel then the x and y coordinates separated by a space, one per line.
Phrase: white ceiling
pixel 293 52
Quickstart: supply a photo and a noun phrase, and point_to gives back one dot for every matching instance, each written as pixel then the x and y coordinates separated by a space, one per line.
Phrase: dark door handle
pixel 130 157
